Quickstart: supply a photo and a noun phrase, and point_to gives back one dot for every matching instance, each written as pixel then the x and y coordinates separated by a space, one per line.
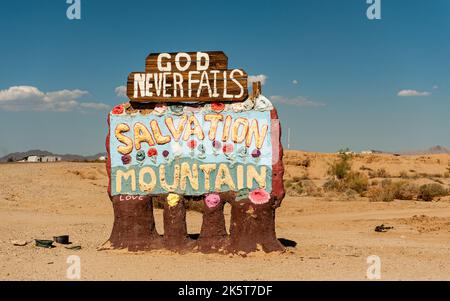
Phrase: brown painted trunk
pixel 252 227
pixel 134 224
pixel 213 235
pixel 175 230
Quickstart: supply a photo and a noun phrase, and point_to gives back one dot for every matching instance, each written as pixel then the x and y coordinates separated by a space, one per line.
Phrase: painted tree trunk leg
pixel 252 227
pixel 175 230
pixel 213 235
pixel 134 224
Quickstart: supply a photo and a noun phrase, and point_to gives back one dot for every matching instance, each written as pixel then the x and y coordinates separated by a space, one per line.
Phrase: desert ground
pixel 328 223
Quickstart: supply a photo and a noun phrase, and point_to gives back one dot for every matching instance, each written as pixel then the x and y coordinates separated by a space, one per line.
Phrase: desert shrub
pixel 374 183
pixel 447 175
pixel 429 191
pixel 363 167
pixel 379 173
pixel 356 181
pixel 405 191
pixel 379 194
pixel 404 175
pixel 333 185
pixel 340 167
pixel 388 191
pixel 305 163
pixel 299 186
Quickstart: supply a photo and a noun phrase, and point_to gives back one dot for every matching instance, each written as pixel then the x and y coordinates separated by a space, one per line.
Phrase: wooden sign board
pixel 187 77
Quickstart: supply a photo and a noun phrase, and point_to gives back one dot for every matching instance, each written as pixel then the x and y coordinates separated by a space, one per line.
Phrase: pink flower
pixel 117 110
pixel 228 148
pixel 218 106
pixel 160 109
pixel 259 196
pixel 192 144
pixel 212 200
pixel 152 152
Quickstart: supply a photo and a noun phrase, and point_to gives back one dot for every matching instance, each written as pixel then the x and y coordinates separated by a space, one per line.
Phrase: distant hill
pixel 435 150
pixel 37 152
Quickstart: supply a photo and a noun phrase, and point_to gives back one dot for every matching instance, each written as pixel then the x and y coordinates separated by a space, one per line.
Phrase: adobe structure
pixel 191 131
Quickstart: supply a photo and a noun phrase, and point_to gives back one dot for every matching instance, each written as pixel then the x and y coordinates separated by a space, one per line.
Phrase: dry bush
pixel 378 194
pixel 404 175
pixel 388 191
pixel 305 163
pixel 428 192
pixel 379 173
pixel 354 181
pixel 363 168
pixel 339 168
pixel 405 191
pixel 333 185
pixel 298 186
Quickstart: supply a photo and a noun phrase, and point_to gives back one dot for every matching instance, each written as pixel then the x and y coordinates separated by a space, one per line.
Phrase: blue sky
pixel 348 70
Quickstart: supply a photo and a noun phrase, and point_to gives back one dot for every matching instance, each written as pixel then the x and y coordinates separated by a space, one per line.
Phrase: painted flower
pixel 228 148
pixel 140 155
pixel 256 153
pixel 177 109
pixel 160 109
pixel 212 200
pixel 152 152
pixel 165 153
pixel 117 110
pixel 216 144
pixel 237 107
pixel 217 106
pixel 192 144
pixel 259 196
pixel 177 149
pixel 243 152
pixel 126 159
pixel 173 199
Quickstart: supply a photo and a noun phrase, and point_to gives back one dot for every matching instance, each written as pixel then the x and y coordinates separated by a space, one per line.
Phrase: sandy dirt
pixel 333 236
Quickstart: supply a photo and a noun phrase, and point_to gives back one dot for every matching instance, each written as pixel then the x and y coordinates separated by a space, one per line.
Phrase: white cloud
pixel 295 82
pixel 95 105
pixel 296 101
pixel 408 93
pixel 257 78
pixel 435 87
pixel 121 91
pixel 29 98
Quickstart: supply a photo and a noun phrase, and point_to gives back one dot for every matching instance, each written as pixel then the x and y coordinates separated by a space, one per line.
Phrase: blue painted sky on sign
pixel 337 78
pixel 178 153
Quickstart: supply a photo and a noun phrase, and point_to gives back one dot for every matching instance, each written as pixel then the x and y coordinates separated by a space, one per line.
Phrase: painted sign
pixel 187 76
pixel 190 149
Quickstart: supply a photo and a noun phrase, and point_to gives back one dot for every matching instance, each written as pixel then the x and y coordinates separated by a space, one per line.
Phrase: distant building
pixel 102 158
pixel 33 159
pixel 367 152
pixel 36 159
pixel 50 159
